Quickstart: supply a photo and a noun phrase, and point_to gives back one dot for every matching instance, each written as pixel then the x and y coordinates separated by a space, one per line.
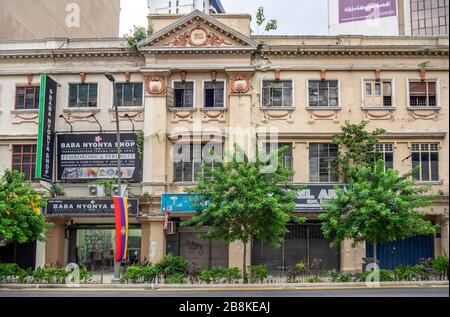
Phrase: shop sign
pixel 87 207
pixel 46 130
pixel 90 157
pixel 313 197
pixel 179 203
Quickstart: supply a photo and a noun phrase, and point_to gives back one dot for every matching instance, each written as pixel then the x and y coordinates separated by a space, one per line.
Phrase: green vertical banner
pixel 46 132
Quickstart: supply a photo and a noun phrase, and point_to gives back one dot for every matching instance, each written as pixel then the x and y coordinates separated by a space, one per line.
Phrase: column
pixel 55 245
pixel 155 129
pixel 236 254
pixel 352 258
pixel 157 241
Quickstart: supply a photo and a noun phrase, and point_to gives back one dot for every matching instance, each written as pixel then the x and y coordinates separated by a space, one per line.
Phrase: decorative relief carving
pixel 213 115
pixel 424 114
pixel 324 116
pixel 379 116
pixel 156 85
pixel 73 117
pixel 179 115
pixel 23 118
pixel 270 115
pixel 198 37
pixel 137 116
pixel 240 83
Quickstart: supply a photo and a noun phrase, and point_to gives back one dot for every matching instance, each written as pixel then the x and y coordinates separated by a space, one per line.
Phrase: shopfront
pixel 89 232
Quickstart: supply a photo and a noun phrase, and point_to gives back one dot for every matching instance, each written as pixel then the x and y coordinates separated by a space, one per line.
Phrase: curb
pixel 226 286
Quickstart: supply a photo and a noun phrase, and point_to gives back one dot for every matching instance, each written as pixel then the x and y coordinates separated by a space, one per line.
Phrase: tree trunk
pixel 244 264
pixel 375 253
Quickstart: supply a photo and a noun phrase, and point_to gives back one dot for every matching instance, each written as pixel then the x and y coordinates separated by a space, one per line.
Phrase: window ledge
pixel 323 108
pixel 380 108
pixel 25 111
pixel 184 184
pixel 435 183
pixel 173 109
pixel 277 108
pixel 411 108
pixel 213 109
pixel 77 110
pixel 127 109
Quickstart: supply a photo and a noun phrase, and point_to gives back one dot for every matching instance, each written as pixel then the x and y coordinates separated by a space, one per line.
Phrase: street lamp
pixel 111 78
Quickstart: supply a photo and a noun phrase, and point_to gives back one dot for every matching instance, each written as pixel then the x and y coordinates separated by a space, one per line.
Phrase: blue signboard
pixel 179 203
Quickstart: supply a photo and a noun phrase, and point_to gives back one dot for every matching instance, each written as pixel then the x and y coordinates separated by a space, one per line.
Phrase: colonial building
pixel 202 81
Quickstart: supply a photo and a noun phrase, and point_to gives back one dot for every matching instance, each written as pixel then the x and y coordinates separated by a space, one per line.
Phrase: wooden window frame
pixel 36 87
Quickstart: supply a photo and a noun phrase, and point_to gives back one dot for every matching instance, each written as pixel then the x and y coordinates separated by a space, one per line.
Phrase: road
pixel 350 292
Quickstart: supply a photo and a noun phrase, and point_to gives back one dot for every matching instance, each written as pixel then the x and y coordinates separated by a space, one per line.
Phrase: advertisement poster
pixel 312 198
pixel 360 10
pixel 90 157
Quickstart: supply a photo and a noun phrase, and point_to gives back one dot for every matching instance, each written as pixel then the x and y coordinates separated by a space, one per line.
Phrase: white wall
pixel 387 26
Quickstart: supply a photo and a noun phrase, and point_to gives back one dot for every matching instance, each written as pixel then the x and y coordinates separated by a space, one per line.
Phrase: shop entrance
pixel 200 253
pixel 304 243
pixel 93 247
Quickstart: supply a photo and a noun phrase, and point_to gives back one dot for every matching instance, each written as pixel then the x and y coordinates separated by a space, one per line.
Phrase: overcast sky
pixel 294 16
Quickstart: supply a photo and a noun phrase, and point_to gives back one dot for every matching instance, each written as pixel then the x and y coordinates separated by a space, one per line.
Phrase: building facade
pixel 62 18
pixel 203 81
pixel 393 17
pixel 185 6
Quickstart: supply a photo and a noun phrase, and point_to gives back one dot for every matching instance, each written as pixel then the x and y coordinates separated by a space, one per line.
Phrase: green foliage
pixel 21 220
pixel 212 276
pixel 247 199
pixel 85 275
pixel 378 206
pixel 258 273
pixel 171 265
pixel 137 34
pixel 440 264
pixel 356 145
pixel 133 273
pixel 176 278
pixel 314 279
pixel 232 275
pixel 301 266
pixel 140 143
pixel 385 276
pixel 272 25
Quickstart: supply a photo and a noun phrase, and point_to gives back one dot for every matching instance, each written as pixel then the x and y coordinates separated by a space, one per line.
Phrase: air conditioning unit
pixel 123 192
pixel 97 190
pixel 171 228
pixel 2 243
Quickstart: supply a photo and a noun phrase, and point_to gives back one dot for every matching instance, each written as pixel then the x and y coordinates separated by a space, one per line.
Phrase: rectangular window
pixel 378 93
pixel 423 94
pixel 189 158
pixel 214 94
pixel 83 95
pixel 426 156
pixel 27 97
pixel 385 152
pixel 184 94
pixel 322 163
pixel 277 93
pixel 24 160
pixel 129 94
pixel 287 156
pixel 323 93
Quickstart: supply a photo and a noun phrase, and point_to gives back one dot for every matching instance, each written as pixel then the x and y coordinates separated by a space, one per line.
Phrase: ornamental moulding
pixel 198 37
pixel 156 85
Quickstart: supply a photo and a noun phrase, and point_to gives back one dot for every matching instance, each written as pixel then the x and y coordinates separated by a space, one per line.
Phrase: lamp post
pixel 111 78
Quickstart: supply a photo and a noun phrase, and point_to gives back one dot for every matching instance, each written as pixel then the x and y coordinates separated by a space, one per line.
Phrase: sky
pixel 295 17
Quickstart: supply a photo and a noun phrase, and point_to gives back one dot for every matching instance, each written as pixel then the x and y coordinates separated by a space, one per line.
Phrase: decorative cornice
pixel 329 135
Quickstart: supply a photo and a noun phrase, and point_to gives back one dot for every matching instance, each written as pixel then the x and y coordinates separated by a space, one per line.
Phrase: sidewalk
pixel 441 284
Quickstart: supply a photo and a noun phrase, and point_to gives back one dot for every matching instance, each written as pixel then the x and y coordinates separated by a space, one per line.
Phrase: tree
pixel 245 201
pixel 378 204
pixel 357 147
pixel 21 220
pixel 137 34
pixel 272 25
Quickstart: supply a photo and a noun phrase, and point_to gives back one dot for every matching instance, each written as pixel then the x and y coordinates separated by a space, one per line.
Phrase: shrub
pixel 258 273
pixel 134 273
pixel 314 279
pixel 440 264
pixel 149 273
pixel 177 278
pixel 8 271
pixel 170 265
pixel 385 276
pixel 211 276
pixel 232 275
pixel 85 275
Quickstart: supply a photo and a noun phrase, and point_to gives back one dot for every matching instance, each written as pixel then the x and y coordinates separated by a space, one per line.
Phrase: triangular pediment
pixel 194 31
